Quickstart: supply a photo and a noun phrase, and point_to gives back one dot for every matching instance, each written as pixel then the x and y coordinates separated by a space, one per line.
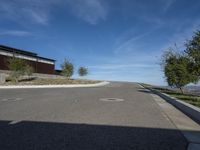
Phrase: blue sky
pixel 116 39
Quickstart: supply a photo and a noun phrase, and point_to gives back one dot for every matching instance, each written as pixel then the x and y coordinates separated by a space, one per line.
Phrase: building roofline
pixel 46 58
pixel 23 52
pixel 11 49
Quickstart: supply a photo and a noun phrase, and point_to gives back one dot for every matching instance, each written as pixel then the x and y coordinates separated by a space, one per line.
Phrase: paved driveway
pixel 77 119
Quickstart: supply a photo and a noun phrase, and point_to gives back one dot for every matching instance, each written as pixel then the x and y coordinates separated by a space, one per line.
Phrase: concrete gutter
pixel 54 86
pixel 183 117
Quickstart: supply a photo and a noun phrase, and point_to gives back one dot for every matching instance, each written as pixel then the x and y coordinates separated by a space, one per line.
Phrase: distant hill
pixel 193 89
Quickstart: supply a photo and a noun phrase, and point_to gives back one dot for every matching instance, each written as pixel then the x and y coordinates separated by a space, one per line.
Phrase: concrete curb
pixel 54 86
pixel 188 109
pixel 190 129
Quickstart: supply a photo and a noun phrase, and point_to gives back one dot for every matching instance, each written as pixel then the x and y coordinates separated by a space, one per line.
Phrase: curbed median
pixel 54 86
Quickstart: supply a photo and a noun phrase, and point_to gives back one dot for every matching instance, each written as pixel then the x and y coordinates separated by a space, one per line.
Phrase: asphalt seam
pixel 162 111
pixel 169 119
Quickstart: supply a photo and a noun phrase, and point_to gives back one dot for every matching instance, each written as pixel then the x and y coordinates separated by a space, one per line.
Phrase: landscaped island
pixel 19 67
pixel 48 81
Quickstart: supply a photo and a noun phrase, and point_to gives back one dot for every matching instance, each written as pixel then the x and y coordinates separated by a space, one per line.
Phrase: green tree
pixel 82 71
pixel 176 69
pixel 18 68
pixel 193 52
pixel 67 68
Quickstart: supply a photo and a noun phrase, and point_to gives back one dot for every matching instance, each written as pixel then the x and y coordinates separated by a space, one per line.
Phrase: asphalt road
pixel 77 119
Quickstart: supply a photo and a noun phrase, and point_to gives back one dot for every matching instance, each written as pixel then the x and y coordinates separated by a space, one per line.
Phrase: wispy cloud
pixel 131 43
pixel 121 66
pixel 167 4
pixel 91 11
pixel 126 72
pixel 23 11
pixel 15 33
pixel 41 18
pixel 181 35
pixel 39 11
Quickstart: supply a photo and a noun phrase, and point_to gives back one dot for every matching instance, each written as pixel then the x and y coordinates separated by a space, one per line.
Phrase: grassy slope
pixel 52 82
pixel 189 98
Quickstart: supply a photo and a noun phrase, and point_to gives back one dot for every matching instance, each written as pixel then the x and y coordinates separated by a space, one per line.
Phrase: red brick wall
pixel 37 66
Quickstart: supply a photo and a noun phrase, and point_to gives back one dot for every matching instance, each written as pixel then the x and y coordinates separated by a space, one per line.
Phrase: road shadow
pixel 144 90
pixel 30 135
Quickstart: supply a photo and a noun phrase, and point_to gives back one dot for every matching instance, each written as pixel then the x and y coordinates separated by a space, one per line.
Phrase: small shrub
pixel 67 68
pixel 28 70
pixel 82 71
pixel 18 68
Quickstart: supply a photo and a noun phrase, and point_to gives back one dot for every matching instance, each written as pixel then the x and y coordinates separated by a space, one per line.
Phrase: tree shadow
pixel 31 135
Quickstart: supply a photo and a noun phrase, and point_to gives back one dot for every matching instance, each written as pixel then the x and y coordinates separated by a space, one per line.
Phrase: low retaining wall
pixel 38 75
pixel 2 78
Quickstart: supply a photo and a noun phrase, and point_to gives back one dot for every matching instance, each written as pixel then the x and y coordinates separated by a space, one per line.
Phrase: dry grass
pixel 52 82
pixel 187 97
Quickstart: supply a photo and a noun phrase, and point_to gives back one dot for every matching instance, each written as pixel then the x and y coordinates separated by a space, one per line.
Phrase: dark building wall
pixel 4 62
pixel 58 72
pixel 38 67
pixel 45 68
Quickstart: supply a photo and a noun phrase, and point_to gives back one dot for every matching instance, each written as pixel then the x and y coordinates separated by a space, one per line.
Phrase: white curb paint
pixel 111 99
pixel 54 86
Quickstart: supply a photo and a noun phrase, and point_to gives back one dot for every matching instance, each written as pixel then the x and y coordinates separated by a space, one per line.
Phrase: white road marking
pixel 112 99
pixel 18 99
pixel 11 99
pixel 14 122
